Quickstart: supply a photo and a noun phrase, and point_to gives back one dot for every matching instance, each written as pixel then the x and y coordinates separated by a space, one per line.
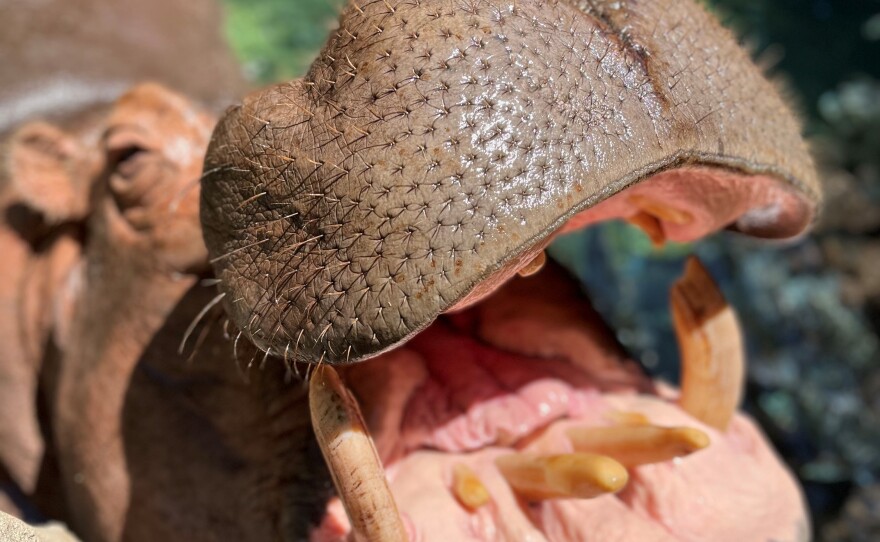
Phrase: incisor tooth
pixel 621 417
pixel 534 265
pixel 351 456
pixel 710 340
pixel 661 210
pixel 634 445
pixel 468 488
pixel 578 475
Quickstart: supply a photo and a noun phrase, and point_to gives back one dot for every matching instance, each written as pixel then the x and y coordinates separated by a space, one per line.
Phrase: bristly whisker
pixel 232 252
pixel 202 337
pixel 197 319
pixel 265 357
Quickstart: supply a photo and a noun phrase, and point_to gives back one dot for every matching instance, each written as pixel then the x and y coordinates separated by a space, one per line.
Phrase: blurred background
pixel 811 309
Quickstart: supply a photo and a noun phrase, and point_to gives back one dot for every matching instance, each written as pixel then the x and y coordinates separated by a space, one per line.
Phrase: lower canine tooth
pixel 351 456
pixel 710 340
pixel 468 488
pixel 578 475
pixel 635 445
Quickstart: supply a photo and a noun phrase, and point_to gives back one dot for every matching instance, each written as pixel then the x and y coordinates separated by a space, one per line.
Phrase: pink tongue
pixel 476 396
pixel 457 394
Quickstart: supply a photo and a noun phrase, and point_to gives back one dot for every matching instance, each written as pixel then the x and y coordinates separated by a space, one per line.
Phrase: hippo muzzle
pixel 383 205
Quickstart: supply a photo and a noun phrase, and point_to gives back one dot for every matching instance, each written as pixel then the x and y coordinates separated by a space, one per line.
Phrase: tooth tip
pixel 696 439
pixel 590 474
pixel 613 477
pixel 575 475
pixel 468 488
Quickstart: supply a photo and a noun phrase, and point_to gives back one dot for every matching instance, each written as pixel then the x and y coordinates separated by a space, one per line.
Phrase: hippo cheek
pixel 427 158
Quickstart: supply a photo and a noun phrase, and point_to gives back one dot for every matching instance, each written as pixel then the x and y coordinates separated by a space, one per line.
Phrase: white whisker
pixel 196 320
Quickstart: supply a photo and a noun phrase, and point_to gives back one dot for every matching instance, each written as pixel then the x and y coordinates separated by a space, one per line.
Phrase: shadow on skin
pixel 213 448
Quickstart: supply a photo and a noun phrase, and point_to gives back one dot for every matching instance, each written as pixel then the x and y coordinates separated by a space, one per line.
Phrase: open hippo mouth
pixel 521 419
pixel 379 208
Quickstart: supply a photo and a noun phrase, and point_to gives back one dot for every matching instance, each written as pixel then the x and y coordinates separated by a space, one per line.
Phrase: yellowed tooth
pixel 649 224
pixel 351 457
pixel 535 265
pixel 468 488
pixel 634 445
pixel 661 210
pixel 621 417
pixel 710 340
pixel 564 476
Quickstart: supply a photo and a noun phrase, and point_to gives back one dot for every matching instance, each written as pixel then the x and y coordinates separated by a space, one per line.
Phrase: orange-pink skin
pixel 706 199
pixel 736 489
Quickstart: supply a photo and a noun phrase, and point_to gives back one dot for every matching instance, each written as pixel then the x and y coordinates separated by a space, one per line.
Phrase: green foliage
pixel 277 39
pixel 815 44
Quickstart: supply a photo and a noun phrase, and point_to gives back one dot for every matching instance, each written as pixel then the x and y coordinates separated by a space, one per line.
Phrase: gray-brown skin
pixel 431 143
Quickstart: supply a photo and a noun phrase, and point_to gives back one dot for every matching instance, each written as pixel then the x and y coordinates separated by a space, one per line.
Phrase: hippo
pixel 327 315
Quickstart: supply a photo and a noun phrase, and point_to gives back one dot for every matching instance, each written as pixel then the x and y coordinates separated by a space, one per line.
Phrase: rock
pixel 15 530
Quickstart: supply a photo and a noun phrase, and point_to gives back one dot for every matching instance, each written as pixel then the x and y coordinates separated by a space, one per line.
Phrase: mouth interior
pixel 517 370
pixel 486 376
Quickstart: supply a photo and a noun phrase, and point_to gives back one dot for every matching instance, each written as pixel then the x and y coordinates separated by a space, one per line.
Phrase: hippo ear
pixel 42 167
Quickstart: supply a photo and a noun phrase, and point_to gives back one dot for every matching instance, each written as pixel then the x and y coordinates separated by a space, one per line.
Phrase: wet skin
pixel 155 444
pixel 429 149
pixel 215 443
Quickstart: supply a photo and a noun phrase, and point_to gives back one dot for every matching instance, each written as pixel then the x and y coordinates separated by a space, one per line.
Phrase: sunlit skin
pixel 131 413
pixel 476 376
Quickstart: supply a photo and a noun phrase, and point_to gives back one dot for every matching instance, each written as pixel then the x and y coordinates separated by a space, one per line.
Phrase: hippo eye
pixel 126 148
pixel 125 160
pixel 121 156
pixel 129 158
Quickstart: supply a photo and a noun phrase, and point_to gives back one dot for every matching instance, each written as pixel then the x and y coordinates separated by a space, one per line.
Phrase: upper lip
pixel 385 226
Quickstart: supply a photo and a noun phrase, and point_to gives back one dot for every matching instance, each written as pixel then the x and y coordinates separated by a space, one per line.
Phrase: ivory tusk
pixel 712 355
pixel 351 457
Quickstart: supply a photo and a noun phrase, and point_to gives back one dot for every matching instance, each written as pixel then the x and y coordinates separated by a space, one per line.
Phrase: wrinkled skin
pixel 429 149
pixel 119 395
pixel 65 62
pixel 215 443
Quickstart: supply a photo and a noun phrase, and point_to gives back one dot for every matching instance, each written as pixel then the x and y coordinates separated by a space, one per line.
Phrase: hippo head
pixel 430 154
